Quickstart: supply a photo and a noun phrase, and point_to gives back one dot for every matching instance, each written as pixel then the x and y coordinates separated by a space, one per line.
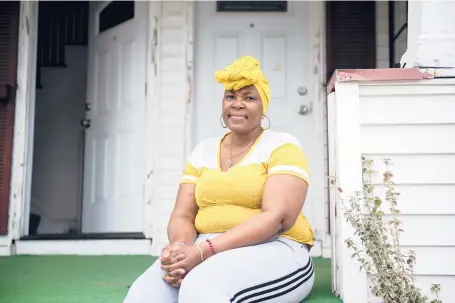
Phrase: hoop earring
pixel 221 121
pixel 268 126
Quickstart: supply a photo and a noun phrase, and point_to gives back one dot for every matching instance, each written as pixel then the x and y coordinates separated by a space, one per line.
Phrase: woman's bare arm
pixel 181 224
pixel 282 202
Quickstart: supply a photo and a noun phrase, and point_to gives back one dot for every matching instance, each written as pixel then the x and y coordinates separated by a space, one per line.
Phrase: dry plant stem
pixel 373 204
pixel 391 198
pixel 390 272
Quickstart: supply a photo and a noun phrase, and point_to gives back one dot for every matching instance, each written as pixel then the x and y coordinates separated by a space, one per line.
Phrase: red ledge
pixel 378 74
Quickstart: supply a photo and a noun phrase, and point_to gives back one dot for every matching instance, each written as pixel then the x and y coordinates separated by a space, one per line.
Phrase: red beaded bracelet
pixel 211 246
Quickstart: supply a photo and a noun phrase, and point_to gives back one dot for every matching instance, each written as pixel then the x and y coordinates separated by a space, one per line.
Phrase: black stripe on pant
pixel 300 276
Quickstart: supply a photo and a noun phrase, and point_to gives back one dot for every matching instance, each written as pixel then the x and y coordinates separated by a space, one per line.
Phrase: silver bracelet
pixel 200 251
pixel 180 244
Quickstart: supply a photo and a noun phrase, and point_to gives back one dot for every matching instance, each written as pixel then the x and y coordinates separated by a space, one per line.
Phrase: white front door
pixel 281 42
pixel 114 154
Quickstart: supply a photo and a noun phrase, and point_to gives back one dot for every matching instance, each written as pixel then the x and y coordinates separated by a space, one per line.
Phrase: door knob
pixel 303 110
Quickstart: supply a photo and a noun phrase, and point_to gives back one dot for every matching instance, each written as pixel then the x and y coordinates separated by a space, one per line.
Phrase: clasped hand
pixel 177 261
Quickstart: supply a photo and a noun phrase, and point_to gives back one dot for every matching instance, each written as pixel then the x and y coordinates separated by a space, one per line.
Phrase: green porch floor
pixel 105 279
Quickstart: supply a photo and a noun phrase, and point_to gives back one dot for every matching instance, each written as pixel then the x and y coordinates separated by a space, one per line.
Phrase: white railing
pixel 408 118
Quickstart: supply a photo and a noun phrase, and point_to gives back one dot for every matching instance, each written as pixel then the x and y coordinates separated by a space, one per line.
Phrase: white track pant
pixel 278 271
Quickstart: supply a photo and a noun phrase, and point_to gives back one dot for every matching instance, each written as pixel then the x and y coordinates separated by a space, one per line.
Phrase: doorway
pixel 87 174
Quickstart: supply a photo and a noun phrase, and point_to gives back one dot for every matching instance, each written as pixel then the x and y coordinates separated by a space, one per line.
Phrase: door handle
pixel 302 91
pixel 86 123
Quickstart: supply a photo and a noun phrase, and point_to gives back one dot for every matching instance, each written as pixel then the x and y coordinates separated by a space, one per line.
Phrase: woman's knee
pixel 198 287
pixel 151 285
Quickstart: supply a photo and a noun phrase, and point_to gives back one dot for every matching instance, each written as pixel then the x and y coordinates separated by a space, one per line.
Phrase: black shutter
pixel 9 27
pixel 351 35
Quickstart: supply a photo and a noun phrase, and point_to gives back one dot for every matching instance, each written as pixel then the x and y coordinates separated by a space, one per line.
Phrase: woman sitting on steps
pixel 237 232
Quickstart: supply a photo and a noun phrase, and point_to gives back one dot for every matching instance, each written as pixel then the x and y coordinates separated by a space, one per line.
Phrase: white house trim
pixel 348 169
pixel 172 105
pixel 152 114
pixel 23 123
pixel 318 63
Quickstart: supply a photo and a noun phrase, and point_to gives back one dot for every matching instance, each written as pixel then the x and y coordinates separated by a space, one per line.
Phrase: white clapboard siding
pixel 174 48
pixel 420 168
pixel 439 198
pixel 412 123
pixel 408 139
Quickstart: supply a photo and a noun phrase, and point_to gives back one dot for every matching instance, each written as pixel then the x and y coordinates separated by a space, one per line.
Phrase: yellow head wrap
pixel 243 72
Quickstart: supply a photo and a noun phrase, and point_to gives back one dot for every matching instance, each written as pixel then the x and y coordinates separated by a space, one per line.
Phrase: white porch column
pixel 431 34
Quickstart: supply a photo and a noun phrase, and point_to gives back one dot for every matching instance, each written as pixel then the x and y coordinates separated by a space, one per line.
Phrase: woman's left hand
pixel 192 259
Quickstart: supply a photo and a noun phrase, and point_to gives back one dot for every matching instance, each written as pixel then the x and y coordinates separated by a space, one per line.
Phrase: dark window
pixel 116 13
pixel 351 35
pixel 398 31
pixel 251 6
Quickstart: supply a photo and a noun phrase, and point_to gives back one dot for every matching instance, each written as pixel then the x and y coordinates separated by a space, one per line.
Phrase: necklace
pixel 231 159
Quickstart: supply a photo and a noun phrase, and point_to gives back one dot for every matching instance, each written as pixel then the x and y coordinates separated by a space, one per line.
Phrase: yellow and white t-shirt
pixel 226 199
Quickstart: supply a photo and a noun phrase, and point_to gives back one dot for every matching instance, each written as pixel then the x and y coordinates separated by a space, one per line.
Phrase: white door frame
pixel 152 126
pixel 22 161
pixel 21 167
pixel 318 44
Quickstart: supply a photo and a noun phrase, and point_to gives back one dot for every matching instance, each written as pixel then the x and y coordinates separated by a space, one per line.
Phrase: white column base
pixel 431 35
